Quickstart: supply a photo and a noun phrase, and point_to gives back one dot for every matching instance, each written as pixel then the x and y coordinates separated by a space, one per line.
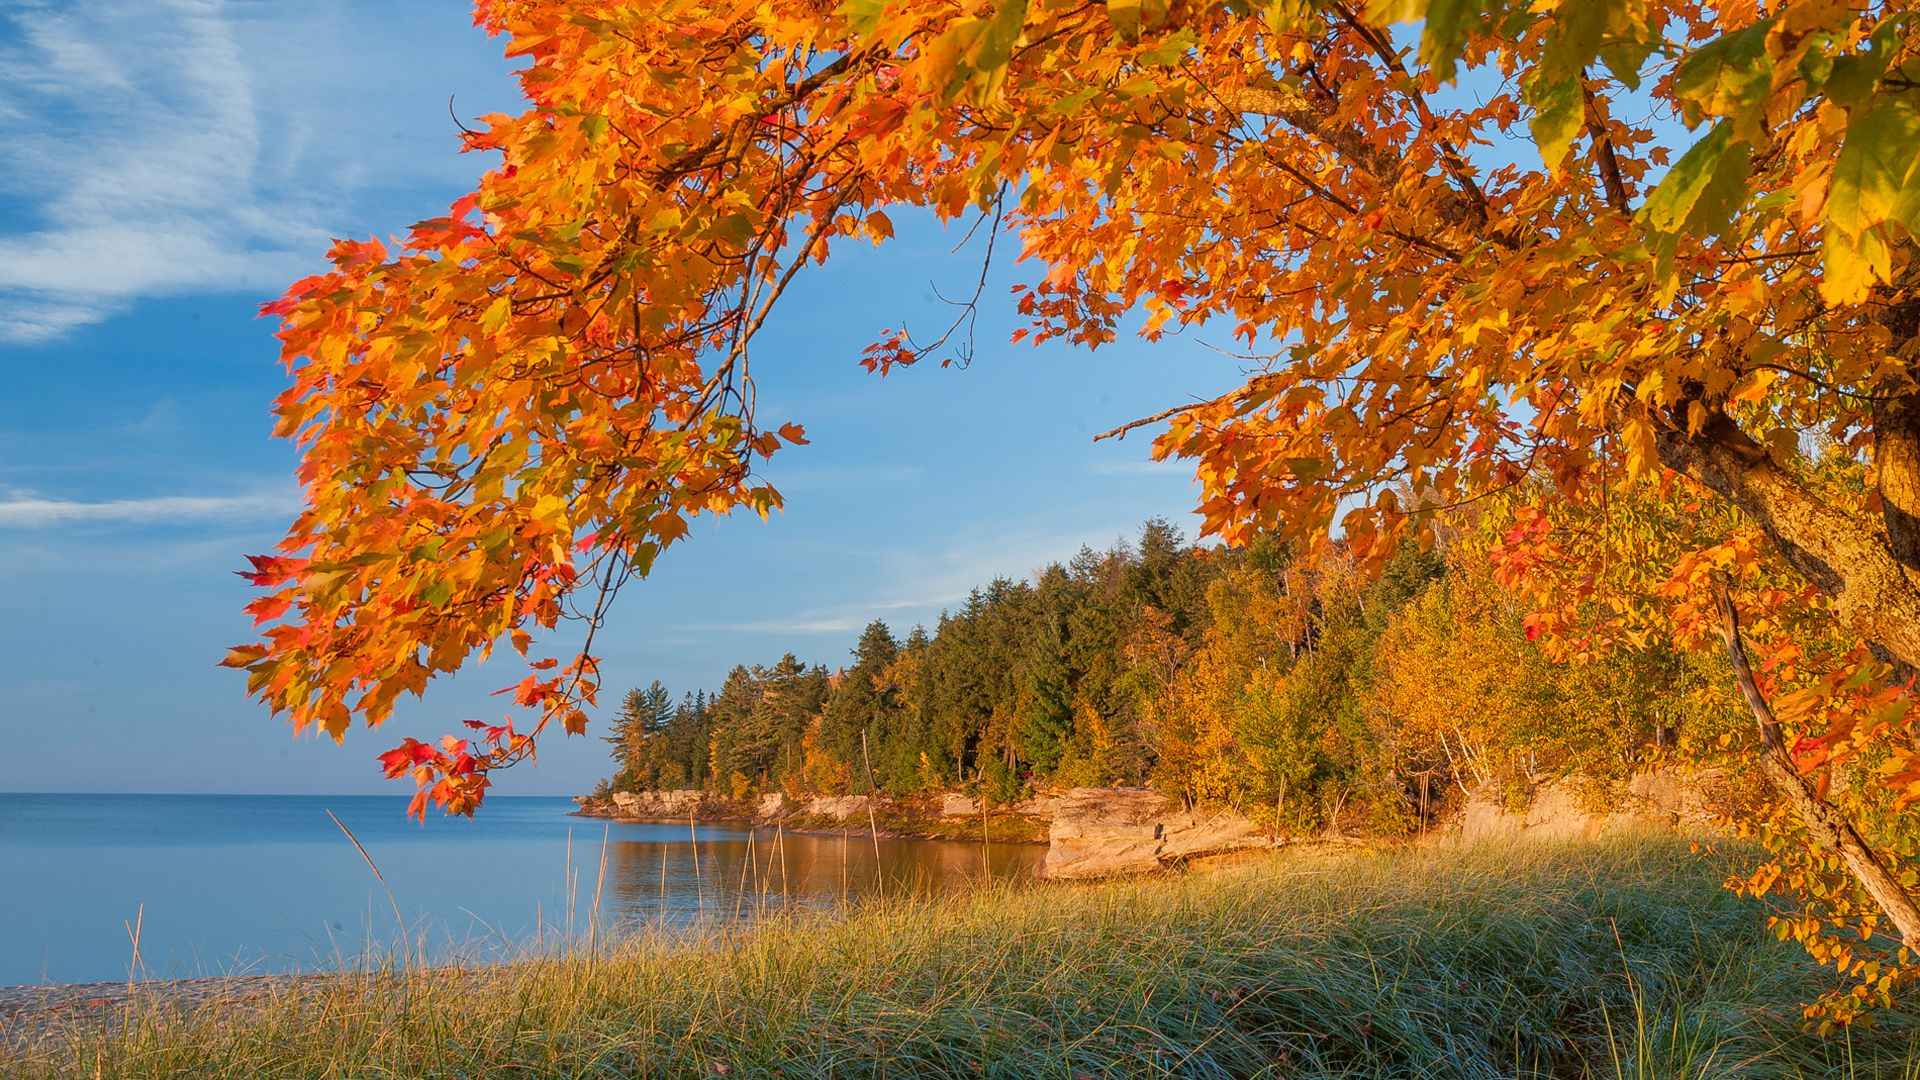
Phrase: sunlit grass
pixel 1614 960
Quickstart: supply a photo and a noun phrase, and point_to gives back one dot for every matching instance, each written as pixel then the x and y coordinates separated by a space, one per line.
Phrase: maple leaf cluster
pixel 509 412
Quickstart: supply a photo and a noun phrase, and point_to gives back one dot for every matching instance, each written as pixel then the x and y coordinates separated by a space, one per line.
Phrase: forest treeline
pixel 1313 693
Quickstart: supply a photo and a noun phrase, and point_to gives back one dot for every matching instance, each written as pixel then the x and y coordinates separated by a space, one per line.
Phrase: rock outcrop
pixel 1651 800
pixel 839 809
pixel 659 804
pixel 1106 832
pixel 953 804
pixel 1046 804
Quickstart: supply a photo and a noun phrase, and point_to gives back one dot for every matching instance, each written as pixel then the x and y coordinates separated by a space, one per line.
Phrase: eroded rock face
pixel 1189 834
pixel 1651 800
pixel 840 808
pixel 667 804
pixel 1046 804
pixel 1106 832
pixel 954 804
pixel 771 805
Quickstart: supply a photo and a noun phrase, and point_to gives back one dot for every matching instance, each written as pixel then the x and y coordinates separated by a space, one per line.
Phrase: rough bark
pixel 1896 459
pixel 1826 825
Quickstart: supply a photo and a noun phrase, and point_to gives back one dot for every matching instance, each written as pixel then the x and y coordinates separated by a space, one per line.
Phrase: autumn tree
pixel 636 735
pixel 515 409
pixel 862 705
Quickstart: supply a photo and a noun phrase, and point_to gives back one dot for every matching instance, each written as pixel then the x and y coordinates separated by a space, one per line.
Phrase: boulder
pixel 771 805
pixel 1105 832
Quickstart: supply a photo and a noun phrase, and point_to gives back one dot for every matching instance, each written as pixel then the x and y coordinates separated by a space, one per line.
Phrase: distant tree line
pixel 1312 693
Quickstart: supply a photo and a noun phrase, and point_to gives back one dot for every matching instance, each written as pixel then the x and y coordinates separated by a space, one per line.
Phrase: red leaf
pixel 269 608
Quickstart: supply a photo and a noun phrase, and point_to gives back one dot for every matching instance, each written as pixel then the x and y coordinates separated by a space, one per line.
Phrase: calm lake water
pixel 239 883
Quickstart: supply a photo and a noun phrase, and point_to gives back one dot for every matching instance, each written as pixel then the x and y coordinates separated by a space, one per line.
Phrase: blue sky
pixel 166 165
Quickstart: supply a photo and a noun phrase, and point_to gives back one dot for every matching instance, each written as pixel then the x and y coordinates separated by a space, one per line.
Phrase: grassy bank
pixel 1615 960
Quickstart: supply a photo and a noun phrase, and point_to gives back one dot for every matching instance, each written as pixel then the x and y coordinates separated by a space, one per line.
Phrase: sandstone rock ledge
pixel 1107 832
pixel 661 804
pixel 1660 801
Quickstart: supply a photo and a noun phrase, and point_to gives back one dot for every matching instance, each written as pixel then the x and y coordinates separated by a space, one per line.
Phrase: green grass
pixel 1613 960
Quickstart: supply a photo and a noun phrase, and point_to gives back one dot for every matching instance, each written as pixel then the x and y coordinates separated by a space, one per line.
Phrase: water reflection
pixel 654 875
pixel 256 884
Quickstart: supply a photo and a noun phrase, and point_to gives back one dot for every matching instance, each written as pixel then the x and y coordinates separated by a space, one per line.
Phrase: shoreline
pixel 920 818
pixel 748 821
pixel 1253 966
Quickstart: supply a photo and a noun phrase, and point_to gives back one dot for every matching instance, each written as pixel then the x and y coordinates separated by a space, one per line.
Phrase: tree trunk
pixel 1896 458
pixel 1827 826
pixel 1846 555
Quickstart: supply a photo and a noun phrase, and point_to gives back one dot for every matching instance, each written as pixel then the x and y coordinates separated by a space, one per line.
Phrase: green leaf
pixel 1445 35
pixel 1289 16
pixel 1171 50
pixel 436 594
pixel 594 127
pixel 1560 111
pixel 863 16
pixel 1851 264
pixel 1874 179
pixel 1574 38
pixel 1625 59
pixel 1386 12
pixel 995 45
pixel 492 319
pixel 1816 63
pixel 1308 468
pixel 1853 77
pixel 1729 75
pixel 1704 186
pixel 735 229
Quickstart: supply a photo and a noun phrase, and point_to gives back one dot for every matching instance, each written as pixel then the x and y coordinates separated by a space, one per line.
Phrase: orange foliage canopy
pixel 518 407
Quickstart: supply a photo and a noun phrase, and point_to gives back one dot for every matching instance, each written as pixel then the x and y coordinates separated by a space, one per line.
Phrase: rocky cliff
pixel 1569 810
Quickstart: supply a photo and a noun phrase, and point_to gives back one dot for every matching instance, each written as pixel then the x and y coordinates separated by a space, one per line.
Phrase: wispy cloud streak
pixel 27 512
pixel 134 136
pixel 155 148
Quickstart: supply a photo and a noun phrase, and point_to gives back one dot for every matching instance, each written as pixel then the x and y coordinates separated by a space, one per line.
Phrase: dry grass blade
pixel 399 920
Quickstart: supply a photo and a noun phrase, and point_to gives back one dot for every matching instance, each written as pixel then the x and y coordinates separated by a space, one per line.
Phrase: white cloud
pixel 160 147
pixel 134 142
pixel 29 512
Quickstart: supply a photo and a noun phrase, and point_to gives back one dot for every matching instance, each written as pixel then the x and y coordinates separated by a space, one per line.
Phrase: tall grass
pixel 1614 960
